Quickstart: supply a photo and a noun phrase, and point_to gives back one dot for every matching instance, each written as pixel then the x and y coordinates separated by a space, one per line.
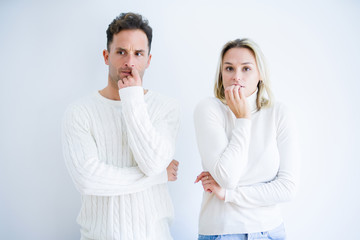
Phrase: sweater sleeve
pixel 91 175
pixel 152 143
pixel 283 187
pixel 225 158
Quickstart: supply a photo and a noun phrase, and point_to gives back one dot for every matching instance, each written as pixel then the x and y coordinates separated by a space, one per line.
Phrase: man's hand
pixel 210 185
pixel 132 80
pixel 236 100
pixel 172 170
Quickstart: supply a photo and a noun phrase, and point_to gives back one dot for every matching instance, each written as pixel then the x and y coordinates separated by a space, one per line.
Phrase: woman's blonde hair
pixel 264 83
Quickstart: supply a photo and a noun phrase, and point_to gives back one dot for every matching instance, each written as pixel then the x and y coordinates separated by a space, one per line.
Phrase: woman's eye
pixel 246 69
pixel 228 68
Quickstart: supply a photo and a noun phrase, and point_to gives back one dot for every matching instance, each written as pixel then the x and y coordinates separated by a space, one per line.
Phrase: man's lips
pixel 126 72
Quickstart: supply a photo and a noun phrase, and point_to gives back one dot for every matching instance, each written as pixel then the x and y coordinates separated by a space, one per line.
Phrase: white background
pixel 51 55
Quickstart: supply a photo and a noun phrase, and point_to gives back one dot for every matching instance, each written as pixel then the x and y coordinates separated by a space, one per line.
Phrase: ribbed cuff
pixel 132 94
pixel 229 195
pixel 164 176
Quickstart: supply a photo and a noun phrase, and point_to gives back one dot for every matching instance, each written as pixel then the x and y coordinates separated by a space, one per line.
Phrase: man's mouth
pixel 126 72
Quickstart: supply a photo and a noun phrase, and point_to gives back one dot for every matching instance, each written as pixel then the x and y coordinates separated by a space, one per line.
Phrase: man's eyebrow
pixel 123 49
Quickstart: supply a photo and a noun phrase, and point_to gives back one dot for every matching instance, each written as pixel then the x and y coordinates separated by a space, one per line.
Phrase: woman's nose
pixel 237 75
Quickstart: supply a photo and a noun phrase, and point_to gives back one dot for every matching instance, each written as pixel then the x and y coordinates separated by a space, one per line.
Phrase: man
pixel 119 144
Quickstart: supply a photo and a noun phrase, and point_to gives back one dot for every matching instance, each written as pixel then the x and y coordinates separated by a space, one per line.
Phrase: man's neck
pixel 111 93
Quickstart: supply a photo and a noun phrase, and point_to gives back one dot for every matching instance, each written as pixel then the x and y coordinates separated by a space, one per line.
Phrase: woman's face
pixel 239 68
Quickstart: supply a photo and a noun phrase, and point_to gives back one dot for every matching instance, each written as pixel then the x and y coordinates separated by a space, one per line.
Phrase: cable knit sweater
pixel 117 153
pixel 256 161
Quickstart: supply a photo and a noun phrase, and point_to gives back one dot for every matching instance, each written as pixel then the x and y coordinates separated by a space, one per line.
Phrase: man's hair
pixel 127 21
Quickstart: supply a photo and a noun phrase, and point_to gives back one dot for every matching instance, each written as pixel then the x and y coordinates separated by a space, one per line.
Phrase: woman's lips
pixel 239 85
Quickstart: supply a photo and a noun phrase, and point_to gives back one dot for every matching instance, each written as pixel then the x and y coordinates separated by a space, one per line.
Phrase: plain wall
pixel 51 55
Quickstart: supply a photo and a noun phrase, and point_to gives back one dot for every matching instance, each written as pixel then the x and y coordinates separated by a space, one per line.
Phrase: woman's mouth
pixel 242 86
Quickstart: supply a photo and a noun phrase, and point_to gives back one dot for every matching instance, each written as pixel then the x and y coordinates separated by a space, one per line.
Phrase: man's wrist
pixel 133 93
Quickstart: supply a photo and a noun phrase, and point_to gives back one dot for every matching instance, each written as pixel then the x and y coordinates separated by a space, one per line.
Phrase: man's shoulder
pixel 82 104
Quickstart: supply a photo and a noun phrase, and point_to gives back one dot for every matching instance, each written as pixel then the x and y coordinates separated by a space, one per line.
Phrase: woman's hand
pixel 172 170
pixel 236 100
pixel 210 185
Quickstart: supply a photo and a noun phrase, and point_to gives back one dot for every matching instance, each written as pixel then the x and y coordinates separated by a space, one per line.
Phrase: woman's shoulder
pixel 283 113
pixel 210 107
pixel 276 108
pixel 210 103
pixel 281 108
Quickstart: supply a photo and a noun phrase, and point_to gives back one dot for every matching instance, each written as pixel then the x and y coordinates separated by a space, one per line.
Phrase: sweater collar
pixel 116 103
pixel 252 101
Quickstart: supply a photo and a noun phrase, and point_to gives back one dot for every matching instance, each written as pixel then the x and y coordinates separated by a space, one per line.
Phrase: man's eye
pixel 121 52
pixel 138 54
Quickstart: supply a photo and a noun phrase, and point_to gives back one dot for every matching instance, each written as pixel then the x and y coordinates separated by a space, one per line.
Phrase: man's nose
pixel 129 61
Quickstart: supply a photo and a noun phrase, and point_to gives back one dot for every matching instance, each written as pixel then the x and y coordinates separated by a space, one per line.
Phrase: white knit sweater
pixel 255 160
pixel 117 153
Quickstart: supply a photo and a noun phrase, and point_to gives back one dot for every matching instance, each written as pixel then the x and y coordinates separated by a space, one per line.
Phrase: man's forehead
pixel 130 39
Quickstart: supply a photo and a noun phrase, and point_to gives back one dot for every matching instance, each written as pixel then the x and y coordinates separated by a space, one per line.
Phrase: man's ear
pixel 148 62
pixel 106 56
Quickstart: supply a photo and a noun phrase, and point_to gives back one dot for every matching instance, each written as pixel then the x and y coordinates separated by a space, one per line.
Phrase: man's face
pixel 128 49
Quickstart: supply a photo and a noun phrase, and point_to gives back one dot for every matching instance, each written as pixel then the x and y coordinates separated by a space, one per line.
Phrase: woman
pixel 248 150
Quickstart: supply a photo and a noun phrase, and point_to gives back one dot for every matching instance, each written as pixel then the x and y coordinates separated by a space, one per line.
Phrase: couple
pixel 119 144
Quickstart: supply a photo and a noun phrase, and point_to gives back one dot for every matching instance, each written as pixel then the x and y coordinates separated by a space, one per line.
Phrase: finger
pixel 208 189
pixel 175 162
pixel 206 182
pixel 242 93
pixel 201 176
pixel 173 166
pixel 231 93
pixel 204 178
pixel 135 73
pixel 125 80
pixel 227 95
pixel 120 83
pixel 130 81
pixel 236 93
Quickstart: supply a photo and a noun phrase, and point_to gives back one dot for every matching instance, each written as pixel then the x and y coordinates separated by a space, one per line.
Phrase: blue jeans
pixel 277 233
